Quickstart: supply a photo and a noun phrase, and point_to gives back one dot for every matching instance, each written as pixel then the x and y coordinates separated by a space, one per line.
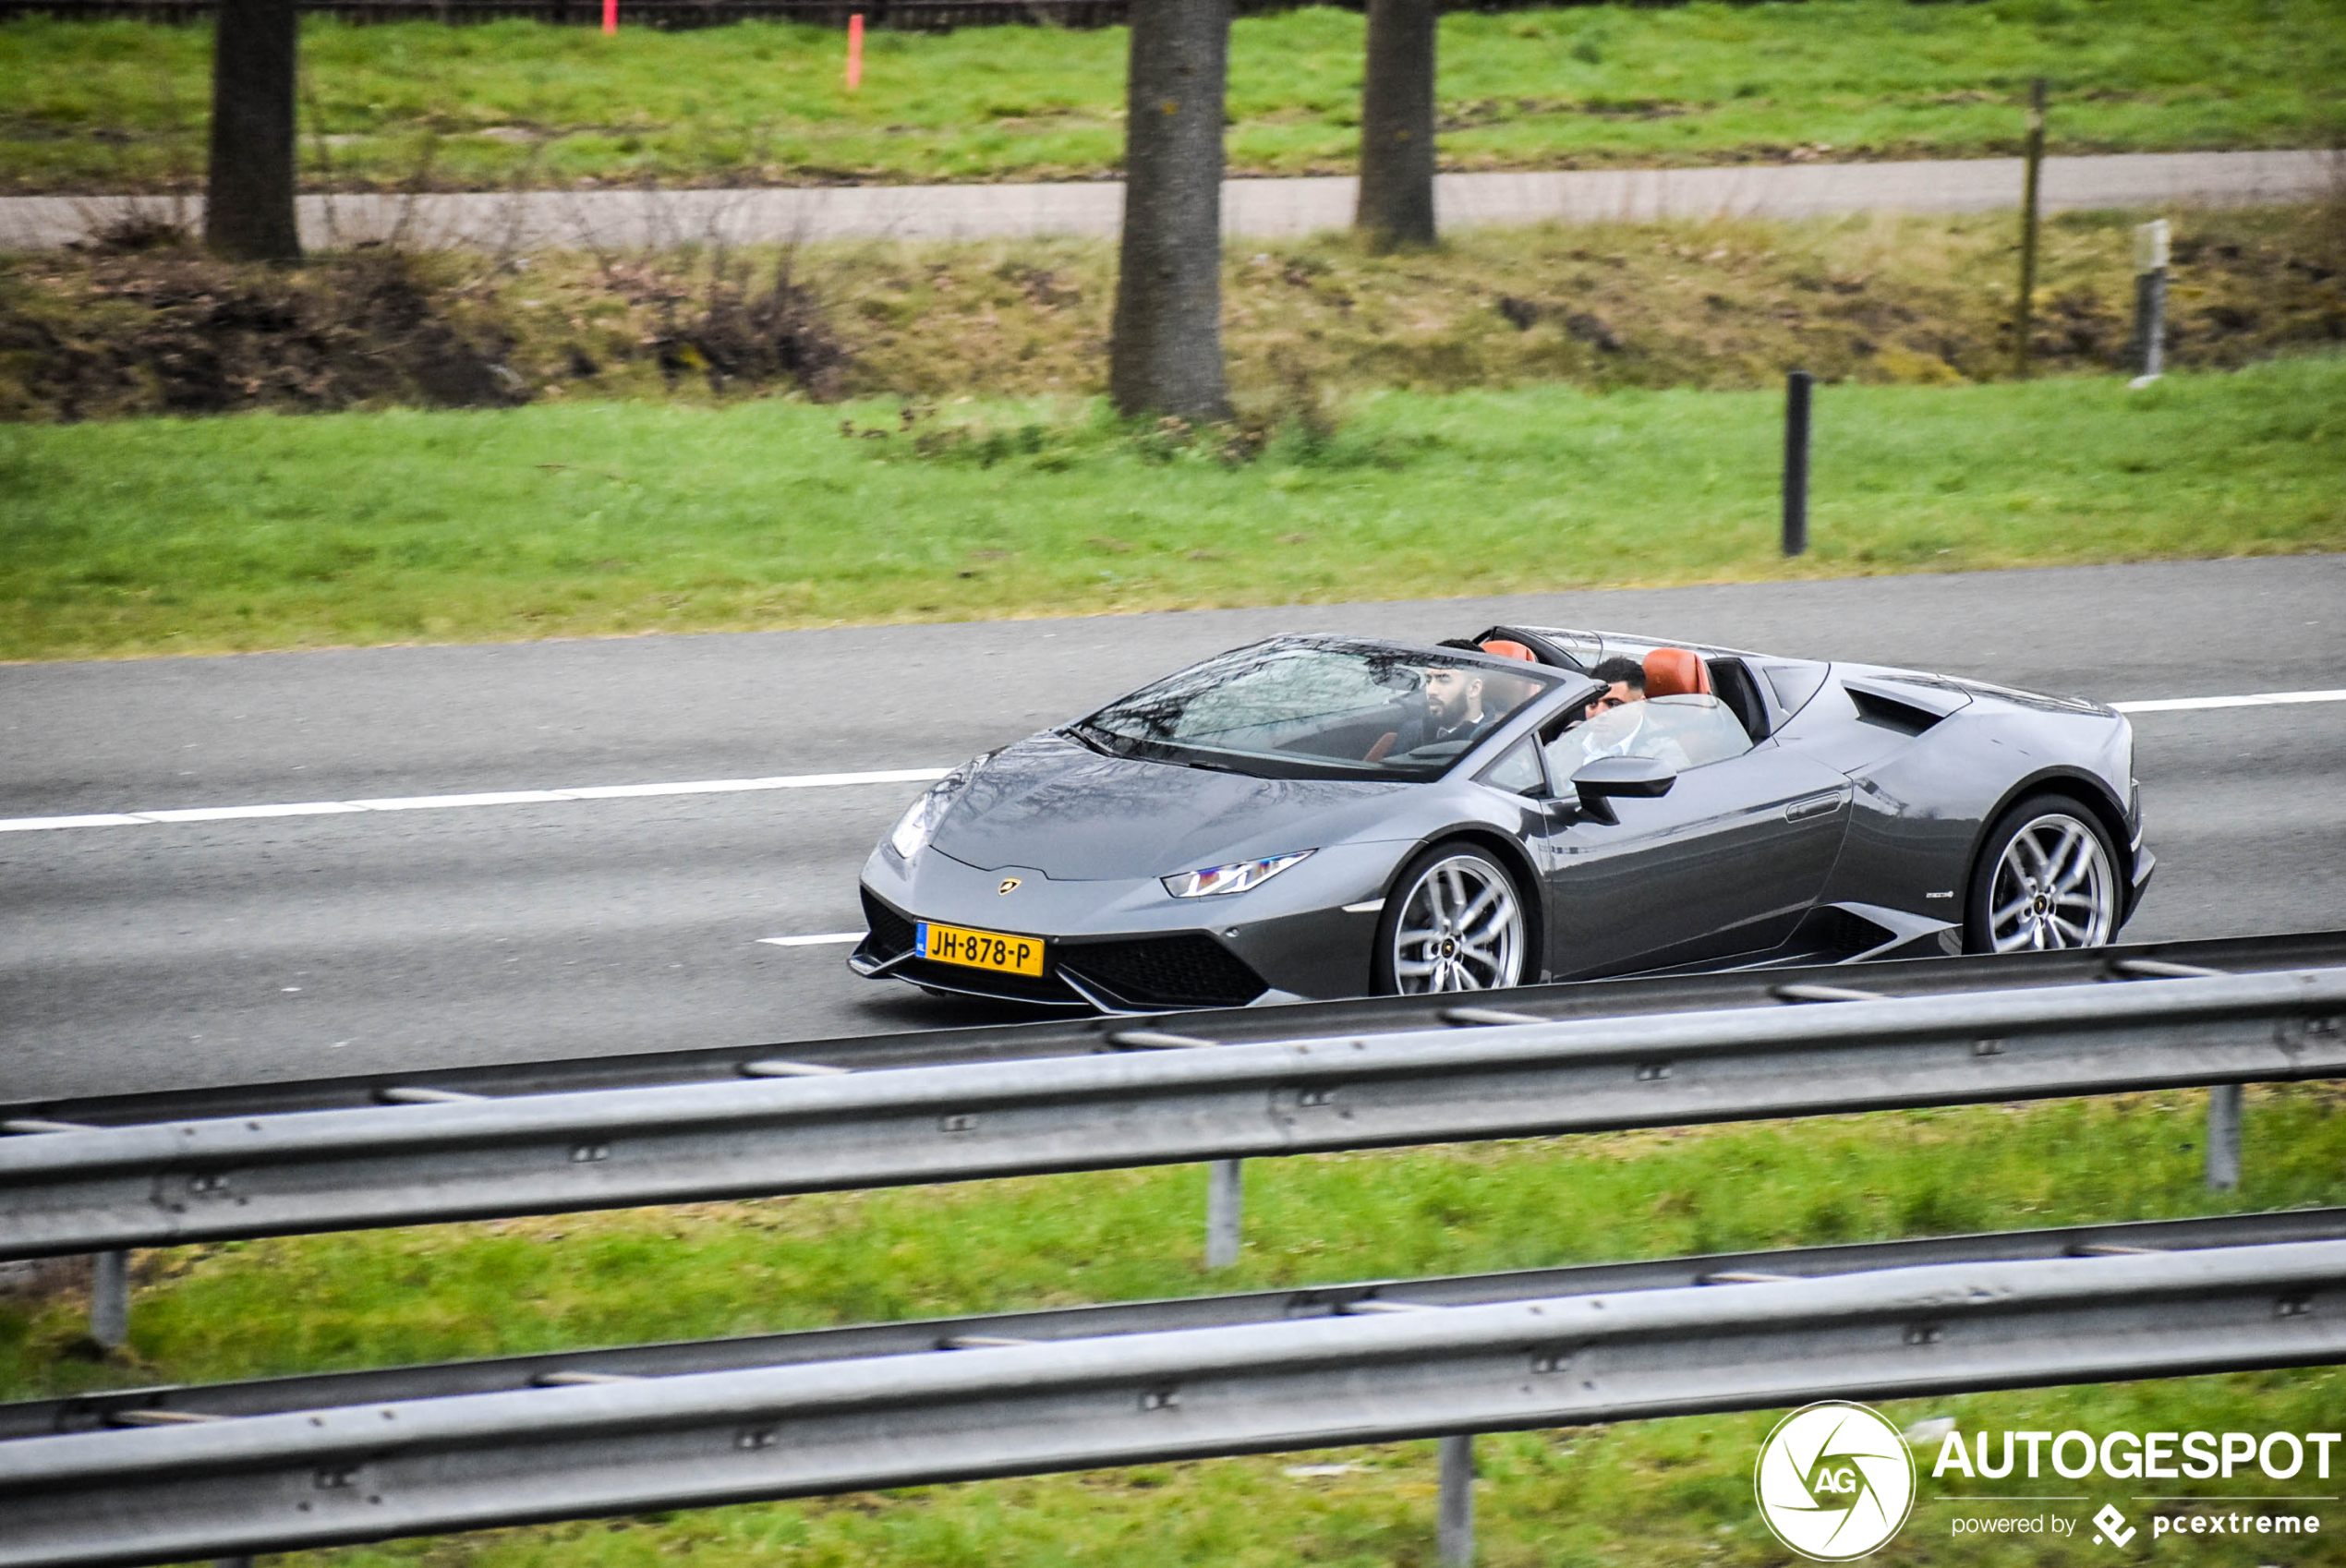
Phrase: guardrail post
pixel 1225 1211
pixel 1454 1513
pixel 1796 388
pixel 110 1298
pixel 2223 1137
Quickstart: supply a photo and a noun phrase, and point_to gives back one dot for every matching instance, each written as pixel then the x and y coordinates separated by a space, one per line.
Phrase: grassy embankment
pixel 1723 304
pixel 261 531
pixel 1671 1492
pixel 121 106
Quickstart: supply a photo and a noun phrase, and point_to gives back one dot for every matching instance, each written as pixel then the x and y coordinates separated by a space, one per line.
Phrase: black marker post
pixel 1796 461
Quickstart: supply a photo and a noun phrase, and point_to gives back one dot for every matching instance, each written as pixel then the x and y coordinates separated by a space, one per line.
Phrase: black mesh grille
pixel 1186 971
pixel 891 933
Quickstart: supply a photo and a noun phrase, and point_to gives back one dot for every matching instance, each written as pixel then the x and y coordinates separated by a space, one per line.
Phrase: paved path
pixel 1258 208
pixel 208 952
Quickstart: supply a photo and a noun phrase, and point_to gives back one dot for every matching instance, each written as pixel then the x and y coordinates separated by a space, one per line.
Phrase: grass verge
pixel 1664 1491
pixel 121 106
pixel 269 532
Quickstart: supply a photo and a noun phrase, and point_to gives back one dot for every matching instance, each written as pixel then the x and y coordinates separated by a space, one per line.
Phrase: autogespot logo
pixel 1834 1481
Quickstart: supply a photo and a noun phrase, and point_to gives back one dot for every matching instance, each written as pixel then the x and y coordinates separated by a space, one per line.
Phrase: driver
pixel 1454 703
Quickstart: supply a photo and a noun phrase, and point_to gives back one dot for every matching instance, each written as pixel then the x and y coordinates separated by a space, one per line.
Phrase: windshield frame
pixel 1093 736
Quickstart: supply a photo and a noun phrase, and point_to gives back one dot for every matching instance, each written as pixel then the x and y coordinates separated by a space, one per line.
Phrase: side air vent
pixel 1895 704
pixel 891 933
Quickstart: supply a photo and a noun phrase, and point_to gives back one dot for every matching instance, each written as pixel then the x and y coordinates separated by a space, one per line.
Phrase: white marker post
pixel 1225 1211
pixel 2150 302
pixel 110 1298
pixel 2223 1138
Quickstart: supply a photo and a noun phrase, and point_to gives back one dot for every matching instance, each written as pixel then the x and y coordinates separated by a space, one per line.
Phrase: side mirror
pixel 1598 782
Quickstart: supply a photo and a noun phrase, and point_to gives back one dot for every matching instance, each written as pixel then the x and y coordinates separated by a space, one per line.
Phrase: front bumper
pixel 1174 968
pixel 1128 946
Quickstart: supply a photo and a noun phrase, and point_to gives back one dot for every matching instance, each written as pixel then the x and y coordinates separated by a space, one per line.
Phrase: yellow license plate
pixel 979 949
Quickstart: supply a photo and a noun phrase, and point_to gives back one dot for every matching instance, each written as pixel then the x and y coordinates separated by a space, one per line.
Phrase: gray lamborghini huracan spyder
pixel 1321 816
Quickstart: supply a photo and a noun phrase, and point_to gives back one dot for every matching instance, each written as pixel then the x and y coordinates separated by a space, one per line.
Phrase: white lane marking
pixel 2258 699
pixel 789 781
pixel 826 939
pixel 499 798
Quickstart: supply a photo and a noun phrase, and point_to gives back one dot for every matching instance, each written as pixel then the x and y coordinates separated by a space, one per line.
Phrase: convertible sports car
pixel 1324 816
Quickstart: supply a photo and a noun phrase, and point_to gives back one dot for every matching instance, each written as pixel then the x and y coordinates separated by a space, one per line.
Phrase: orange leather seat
pixel 1675 672
pixel 1505 649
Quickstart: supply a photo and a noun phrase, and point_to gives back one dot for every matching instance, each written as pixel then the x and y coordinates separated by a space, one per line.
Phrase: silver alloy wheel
pixel 2053 888
pixel 1460 929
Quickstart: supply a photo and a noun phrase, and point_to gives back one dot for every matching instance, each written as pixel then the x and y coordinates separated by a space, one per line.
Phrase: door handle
pixel 1814 805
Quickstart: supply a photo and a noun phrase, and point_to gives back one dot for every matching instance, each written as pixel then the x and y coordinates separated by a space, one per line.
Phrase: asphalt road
pixel 164 955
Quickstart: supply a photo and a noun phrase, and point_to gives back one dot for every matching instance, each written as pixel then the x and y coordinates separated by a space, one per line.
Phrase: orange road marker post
pixel 854 51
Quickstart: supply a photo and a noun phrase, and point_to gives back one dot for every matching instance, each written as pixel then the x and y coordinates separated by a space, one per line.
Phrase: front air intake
pixel 1189 971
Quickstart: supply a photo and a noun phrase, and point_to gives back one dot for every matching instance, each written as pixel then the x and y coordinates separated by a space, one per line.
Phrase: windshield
pixel 1318 710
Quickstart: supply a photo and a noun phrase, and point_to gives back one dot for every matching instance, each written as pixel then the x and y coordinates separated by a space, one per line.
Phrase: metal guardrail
pixel 1769 988
pixel 166 1184
pixel 183 1490
pixel 264 1396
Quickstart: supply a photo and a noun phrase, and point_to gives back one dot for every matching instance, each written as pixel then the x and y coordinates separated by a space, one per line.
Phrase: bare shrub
pixel 749 335
pixel 135 229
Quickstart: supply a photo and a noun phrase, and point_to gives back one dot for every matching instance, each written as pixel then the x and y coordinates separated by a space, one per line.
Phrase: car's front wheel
pixel 1454 922
pixel 2046 878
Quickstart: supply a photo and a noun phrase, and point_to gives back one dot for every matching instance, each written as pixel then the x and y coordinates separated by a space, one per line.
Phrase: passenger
pixel 1625 682
pixel 1613 733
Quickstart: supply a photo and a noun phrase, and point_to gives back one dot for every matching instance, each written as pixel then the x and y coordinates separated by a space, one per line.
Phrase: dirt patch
pixel 42 1279
pixel 162 329
pixel 139 324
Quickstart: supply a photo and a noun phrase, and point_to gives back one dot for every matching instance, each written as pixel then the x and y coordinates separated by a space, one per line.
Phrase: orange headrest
pixel 1675 672
pixel 1505 649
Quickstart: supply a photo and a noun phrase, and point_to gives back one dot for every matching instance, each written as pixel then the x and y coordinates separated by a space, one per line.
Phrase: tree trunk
pixel 1165 351
pixel 249 200
pixel 1396 125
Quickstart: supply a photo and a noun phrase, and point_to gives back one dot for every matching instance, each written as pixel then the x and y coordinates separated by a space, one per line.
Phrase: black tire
pixel 1463 962
pixel 2077 905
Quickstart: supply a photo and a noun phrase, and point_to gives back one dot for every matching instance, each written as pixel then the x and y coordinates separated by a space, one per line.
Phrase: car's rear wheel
pixel 1455 921
pixel 2046 878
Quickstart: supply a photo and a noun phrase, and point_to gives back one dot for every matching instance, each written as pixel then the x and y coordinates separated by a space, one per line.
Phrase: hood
pixel 1051 804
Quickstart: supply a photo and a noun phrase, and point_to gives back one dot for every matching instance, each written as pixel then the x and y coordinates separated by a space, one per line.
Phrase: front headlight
pixel 918 824
pixel 1234 879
